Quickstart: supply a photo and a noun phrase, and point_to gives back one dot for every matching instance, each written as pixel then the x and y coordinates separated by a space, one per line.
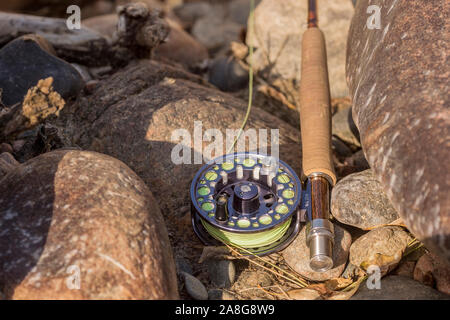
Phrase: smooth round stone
pixel 194 287
pixel 297 255
pixel 359 200
pixel 383 247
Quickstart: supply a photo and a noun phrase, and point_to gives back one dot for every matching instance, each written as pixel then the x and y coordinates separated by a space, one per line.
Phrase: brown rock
pixel 133 115
pixel 181 47
pixel 359 200
pixel 383 247
pixel 297 255
pixel 70 213
pixel 398 78
pixel 431 270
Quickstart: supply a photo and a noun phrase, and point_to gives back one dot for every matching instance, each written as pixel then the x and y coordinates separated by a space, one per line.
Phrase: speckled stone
pixel 398 79
pixel 297 255
pixel 69 213
pixel 359 200
pixel 382 246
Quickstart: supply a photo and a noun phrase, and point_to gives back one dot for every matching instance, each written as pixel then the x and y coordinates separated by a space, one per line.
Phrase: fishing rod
pixel 256 202
pixel 315 120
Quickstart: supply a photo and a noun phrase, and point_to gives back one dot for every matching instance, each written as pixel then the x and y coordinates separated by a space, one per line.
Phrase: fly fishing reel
pixel 246 200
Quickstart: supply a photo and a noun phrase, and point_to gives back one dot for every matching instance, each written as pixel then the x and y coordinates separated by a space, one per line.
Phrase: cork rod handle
pixel 315 113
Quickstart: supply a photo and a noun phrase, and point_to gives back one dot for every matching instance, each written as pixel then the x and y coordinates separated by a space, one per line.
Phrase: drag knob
pixel 246 198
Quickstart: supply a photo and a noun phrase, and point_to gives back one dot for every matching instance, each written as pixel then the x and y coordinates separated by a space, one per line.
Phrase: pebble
pixel 359 200
pixel 297 255
pixel 194 287
pixel 383 246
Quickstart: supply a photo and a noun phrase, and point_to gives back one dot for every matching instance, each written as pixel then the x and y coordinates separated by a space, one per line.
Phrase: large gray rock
pixel 398 79
pixel 398 288
pixel 359 200
pixel 69 216
pixel 279 26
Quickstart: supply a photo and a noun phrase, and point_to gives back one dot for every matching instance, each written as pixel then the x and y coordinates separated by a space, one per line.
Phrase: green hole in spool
pixel 203 191
pixel 202 181
pixel 283 178
pixel 227 165
pixel 290 202
pixel 282 208
pixel 243 223
pixel 265 219
pixel 208 206
pixel 216 167
pixel 237 160
pixel 255 224
pixel 211 175
pixel 231 223
pixel 288 193
pixel 211 214
pixel 277 216
pixel 249 162
pixel 200 199
pixel 291 185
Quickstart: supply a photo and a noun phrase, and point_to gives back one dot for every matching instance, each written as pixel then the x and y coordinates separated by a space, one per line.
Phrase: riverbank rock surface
pixel 82 225
pixel 398 79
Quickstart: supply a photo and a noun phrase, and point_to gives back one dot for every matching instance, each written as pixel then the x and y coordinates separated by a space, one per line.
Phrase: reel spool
pixel 246 200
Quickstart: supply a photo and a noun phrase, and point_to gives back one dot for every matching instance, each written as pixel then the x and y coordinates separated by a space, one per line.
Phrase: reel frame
pixel 297 202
